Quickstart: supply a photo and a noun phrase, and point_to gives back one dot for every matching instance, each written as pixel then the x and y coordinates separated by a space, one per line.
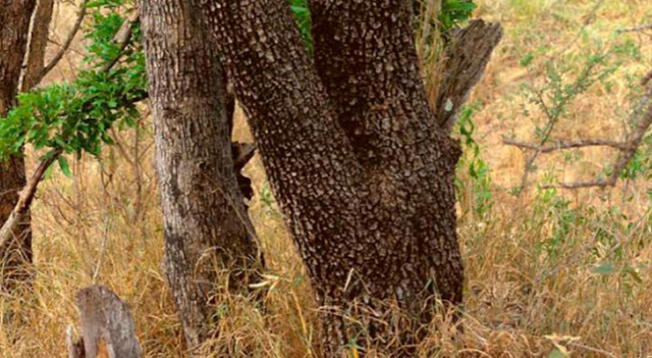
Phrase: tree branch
pixel 122 38
pixel 564 144
pixel 62 51
pixel 25 198
pixel 465 62
pixel 27 194
pixel 635 28
pixel 626 148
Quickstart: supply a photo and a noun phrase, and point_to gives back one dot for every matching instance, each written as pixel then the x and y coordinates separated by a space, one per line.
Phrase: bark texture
pixel 464 63
pixel 360 167
pixel 107 326
pixel 207 228
pixel 15 17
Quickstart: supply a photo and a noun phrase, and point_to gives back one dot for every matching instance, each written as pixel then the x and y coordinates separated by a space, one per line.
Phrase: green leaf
pixel 556 354
pixel 65 168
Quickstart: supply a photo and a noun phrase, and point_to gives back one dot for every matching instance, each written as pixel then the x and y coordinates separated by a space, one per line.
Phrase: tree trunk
pixel 359 166
pixel 207 228
pixel 15 254
pixel 38 42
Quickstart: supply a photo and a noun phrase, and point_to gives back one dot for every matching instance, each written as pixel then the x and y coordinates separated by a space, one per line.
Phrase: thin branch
pixel 635 28
pixel 62 51
pixel 626 148
pixel 627 153
pixel 564 144
pixel 592 349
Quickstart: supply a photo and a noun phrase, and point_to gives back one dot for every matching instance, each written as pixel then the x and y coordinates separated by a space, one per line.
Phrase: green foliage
pixel 75 117
pixel 449 14
pixel 556 210
pixel 302 14
pixel 558 92
pixel 476 168
pixel 454 12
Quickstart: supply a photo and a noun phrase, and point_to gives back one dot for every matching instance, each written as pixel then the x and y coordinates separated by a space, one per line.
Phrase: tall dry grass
pixel 549 274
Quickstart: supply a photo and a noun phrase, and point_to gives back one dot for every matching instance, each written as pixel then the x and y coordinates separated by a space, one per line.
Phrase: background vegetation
pixel 552 273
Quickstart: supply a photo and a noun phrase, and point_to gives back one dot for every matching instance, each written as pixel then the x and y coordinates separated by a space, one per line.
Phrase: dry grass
pixel 531 263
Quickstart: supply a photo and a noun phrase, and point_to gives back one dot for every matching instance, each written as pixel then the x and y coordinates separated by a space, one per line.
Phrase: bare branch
pixel 646 27
pixel 561 144
pixel 62 51
pixel 627 149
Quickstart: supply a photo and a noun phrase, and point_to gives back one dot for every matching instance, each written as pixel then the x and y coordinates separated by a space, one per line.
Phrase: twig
pixel 100 258
pixel 591 349
pixel 561 144
pixel 627 148
pixel 62 51
pixel 635 28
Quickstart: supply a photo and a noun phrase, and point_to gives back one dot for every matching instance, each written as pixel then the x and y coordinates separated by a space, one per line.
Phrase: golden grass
pixel 531 263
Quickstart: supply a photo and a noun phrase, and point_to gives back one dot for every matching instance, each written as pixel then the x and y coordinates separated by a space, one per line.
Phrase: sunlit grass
pixel 539 267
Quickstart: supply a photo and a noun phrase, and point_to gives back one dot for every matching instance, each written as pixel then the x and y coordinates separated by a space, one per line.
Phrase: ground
pixel 551 274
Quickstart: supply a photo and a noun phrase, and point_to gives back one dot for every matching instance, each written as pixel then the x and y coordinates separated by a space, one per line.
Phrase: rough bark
pixel 15 17
pixel 361 170
pixel 207 228
pixel 107 326
pixel 464 63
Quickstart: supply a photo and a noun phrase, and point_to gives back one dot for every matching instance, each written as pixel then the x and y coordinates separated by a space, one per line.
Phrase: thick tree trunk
pixel 14 28
pixel 207 229
pixel 358 164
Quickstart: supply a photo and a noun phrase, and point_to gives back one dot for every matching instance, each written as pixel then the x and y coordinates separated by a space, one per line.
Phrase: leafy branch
pixel 76 117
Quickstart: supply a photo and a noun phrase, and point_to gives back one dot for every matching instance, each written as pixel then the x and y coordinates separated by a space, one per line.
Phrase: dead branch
pixel 635 28
pixel 464 63
pixel 561 144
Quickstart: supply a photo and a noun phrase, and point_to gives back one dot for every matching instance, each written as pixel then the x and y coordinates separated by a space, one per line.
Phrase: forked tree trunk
pixel 361 170
pixel 16 253
pixel 207 229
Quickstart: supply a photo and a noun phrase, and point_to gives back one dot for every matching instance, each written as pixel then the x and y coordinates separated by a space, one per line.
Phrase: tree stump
pixel 106 325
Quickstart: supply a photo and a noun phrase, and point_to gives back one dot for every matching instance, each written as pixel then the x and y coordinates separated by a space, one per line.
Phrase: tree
pixel 206 222
pixel 360 164
pixel 14 29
